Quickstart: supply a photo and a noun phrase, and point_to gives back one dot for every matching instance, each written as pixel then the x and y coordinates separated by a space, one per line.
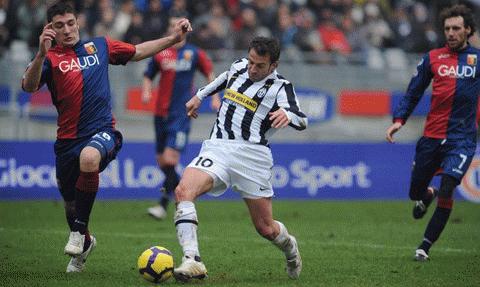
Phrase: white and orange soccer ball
pixel 156 264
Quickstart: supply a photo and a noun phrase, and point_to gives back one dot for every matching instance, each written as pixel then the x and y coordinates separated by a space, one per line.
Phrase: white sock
pixel 186 224
pixel 283 242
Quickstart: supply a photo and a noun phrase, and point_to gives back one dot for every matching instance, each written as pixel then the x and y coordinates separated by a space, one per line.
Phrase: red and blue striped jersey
pixel 455 91
pixel 77 78
pixel 177 68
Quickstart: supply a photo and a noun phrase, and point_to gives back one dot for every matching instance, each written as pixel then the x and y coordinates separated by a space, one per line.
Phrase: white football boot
pixel 421 255
pixel 75 244
pixel 77 263
pixel 294 263
pixel 190 269
pixel 157 212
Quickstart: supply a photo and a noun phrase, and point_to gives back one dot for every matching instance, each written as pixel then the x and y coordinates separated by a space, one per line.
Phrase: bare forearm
pixel 150 48
pixel 146 89
pixel 33 74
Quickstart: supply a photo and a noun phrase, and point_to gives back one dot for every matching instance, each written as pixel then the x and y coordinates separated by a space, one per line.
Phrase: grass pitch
pixel 342 244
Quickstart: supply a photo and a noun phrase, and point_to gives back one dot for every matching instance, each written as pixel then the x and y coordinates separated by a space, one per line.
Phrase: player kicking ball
pixel 257 102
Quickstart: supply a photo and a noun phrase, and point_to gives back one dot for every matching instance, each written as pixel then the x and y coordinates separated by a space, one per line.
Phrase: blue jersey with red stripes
pixel 77 78
pixel 177 68
pixel 455 91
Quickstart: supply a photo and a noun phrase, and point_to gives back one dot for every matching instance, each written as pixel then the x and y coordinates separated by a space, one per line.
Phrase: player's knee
pixel 89 159
pixel 447 186
pixel 182 193
pixel 266 231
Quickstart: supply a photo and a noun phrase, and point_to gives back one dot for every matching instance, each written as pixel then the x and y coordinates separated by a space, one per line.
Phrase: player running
pixel 450 136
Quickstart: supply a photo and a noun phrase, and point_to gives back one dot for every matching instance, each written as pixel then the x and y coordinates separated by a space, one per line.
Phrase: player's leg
pixel 439 218
pixel 261 213
pixel 426 163
pixel 67 174
pixel 458 157
pixel 160 123
pixel 167 162
pixel 194 182
pixel 94 157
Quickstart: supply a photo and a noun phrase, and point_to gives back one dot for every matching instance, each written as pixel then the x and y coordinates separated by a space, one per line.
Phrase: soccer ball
pixel 156 264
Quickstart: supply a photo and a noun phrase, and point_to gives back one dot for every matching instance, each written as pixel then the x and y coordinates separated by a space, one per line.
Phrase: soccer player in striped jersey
pixel 257 102
pixel 76 73
pixel 450 136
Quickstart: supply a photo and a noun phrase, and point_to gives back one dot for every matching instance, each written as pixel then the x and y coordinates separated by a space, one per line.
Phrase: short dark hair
pixel 266 46
pixel 462 11
pixel 59 8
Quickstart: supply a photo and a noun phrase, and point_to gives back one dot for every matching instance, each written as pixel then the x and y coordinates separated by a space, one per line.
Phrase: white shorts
pixel 244 166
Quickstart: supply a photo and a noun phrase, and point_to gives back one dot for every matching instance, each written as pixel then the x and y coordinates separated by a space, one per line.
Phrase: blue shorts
pixel 171 131
pixel 67 162
pixel 440 156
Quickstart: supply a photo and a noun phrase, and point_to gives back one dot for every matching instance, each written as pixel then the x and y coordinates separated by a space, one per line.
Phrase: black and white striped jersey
pixel 246 104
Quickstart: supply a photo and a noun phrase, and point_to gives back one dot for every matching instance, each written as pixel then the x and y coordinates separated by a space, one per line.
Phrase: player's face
pixel 455 33
pixel 66 28
pixel 259 66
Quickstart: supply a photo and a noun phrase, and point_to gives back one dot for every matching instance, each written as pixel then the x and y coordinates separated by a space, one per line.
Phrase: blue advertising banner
pixel 301 171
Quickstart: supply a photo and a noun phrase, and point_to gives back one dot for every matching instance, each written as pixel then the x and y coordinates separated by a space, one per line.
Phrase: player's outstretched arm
pixel 150 48
pixel 33 74
pixel 395 127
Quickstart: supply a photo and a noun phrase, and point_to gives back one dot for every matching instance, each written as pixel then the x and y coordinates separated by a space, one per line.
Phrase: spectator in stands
pixel 334 40
pixel 155 20
pixel 285 32
pixel 307 37
pixel 136 33
pixel 122 19
pixel 214 30
pixel 248 30
pixel 30 19
pixel 377 31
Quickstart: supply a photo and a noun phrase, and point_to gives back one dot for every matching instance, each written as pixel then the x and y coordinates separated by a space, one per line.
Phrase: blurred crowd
pixel 315 27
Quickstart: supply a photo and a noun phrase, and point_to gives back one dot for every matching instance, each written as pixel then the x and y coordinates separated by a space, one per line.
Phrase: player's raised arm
pixel 33 74
pixel 150 48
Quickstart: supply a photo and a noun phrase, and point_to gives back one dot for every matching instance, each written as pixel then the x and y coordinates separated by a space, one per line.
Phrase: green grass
pixel 342 244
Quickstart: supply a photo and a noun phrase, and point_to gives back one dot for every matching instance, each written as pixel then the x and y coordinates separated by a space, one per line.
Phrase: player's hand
pixel 279 119
pixel 182 28
pixel 215 103
pixel 146 96
pixel 395 127
pixel 45 39
pixel 192 107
